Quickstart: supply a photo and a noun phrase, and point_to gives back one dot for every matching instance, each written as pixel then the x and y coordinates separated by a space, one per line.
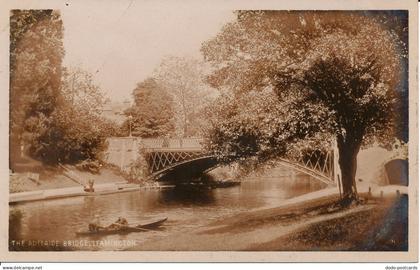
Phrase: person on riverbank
pixel 89 187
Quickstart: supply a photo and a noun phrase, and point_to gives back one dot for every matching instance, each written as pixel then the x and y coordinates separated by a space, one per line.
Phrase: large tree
pixel 36 52
pixel 183 78
pixel 80 91
pixel 152 112
pixel 54 112
pixel 77 132
pixel 331 74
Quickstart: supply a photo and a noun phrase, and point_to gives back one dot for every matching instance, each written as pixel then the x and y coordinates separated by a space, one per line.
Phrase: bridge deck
pixel 171 143
pixel 174 149
pixel 166 154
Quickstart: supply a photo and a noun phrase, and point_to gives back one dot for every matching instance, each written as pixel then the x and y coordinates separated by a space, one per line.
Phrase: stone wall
pixel 122 151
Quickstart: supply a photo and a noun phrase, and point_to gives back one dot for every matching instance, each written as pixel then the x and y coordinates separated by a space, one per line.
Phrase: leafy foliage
pixel 36 52
pixel 328 74
pixel 79 130
pixel 54 111
pixel 79 90
pixel 183 79
pixel 75 130
pixel 152 112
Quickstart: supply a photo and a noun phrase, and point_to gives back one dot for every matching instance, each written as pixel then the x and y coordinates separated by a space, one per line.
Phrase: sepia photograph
pixel 151 126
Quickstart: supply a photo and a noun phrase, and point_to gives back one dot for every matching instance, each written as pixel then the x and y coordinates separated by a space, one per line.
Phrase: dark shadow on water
pixel 187 195
pixel 16 243
pixel 15 224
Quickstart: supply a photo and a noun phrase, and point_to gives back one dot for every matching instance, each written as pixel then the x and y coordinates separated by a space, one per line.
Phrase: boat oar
pixel 143 229
pixel 140 228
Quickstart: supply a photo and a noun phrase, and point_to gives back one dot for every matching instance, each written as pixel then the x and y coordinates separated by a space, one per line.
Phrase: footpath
pixel 100 189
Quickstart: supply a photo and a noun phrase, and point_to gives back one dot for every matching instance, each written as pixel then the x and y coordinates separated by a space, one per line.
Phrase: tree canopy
pixel 183 78
pixel 54 112
pixel 78 132
pixel 328 74
pixel 152 112
pixel 36 53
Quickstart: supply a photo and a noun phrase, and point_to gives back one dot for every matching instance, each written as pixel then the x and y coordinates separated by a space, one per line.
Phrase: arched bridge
pixel 178 159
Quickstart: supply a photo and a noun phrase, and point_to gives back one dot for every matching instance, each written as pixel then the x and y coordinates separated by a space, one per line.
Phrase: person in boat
pixel 123 221
pixel 120 223
pixel 95 225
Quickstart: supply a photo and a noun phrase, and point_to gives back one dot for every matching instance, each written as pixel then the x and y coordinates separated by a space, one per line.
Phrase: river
pixel 51 225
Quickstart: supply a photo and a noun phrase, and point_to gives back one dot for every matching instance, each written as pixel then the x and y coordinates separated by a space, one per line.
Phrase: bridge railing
pixel 165 152
pixel 172 143
pixel 122 151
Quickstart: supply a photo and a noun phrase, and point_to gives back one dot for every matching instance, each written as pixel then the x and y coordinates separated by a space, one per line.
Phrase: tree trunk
pixel 348 165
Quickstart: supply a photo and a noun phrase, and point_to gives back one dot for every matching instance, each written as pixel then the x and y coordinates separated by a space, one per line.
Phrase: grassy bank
pixel 312 225
pixel 383 226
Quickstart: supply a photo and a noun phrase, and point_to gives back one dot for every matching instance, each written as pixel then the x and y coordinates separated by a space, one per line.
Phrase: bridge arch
pixel 186 169
pixel 180 157
pixel 193 168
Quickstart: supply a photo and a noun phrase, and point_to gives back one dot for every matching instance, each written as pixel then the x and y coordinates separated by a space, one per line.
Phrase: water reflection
pixel 186 208
pixel 15 219
pixel 187 196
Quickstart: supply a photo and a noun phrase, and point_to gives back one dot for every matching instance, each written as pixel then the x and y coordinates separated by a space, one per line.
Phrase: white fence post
pixel 337 171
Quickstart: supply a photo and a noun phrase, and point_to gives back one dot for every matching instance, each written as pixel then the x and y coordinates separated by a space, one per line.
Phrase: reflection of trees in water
pixel 15 234
pixel 15 224
pixel 89 208
pixel 302 183
pixel 187 195
pixel 145 200
pixel 129 205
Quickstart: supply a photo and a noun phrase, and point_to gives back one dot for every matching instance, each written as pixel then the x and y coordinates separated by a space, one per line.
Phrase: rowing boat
pixel 125 229
pixel 152 225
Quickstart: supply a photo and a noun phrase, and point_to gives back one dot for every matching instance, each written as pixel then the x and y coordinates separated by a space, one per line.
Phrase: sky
pixel 122 42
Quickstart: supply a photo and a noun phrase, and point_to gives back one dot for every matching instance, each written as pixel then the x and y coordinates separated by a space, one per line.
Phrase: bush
pixel 89 165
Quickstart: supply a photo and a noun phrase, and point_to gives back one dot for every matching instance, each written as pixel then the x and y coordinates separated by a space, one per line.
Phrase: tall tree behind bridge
pixel 183 78
pixel 333 74
pixel 152 112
